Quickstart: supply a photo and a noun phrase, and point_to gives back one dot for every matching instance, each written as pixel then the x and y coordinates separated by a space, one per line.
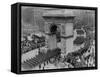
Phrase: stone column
pixel 52 42
pixel 69 34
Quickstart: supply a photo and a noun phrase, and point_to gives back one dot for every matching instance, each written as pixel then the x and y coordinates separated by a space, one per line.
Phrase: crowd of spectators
pixel 36 42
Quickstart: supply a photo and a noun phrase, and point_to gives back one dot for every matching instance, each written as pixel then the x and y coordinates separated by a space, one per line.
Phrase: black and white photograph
pixel 57 38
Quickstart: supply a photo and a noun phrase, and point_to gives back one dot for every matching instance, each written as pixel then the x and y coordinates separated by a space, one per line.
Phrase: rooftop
pixel 58 13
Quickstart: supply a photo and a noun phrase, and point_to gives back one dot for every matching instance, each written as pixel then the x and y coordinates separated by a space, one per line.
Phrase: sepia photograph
pixel 57 38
